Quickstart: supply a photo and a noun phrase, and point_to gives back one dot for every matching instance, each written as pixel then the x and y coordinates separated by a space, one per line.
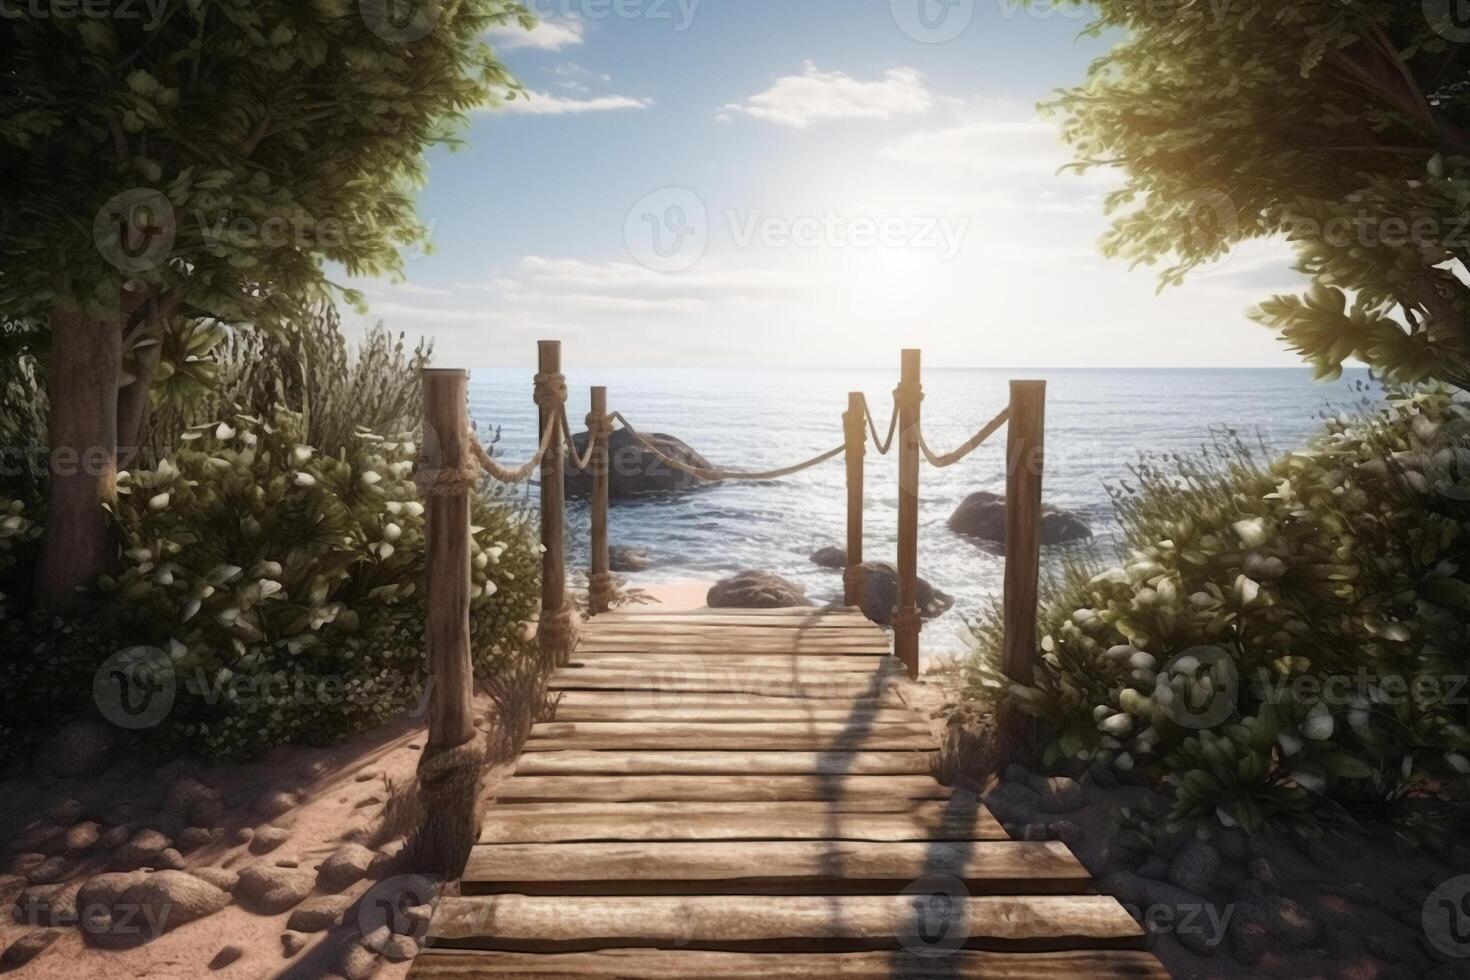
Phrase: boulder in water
pixel 830 557
pixel 756 590
pixel 982 515
pixel 621 558
pixel 634 470
pixel 880 594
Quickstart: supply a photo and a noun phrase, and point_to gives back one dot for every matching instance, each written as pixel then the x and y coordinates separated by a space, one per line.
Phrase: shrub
pixel 1279 642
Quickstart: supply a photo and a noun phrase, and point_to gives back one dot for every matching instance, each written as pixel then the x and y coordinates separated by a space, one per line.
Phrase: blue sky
pixel 795 182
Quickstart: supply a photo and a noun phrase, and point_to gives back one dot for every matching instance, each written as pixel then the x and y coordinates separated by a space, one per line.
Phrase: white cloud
pixel 532 103
pixel 548 35
pixel 800 100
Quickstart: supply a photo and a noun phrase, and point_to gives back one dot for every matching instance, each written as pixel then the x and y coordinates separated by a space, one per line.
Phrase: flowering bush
pixel 1277 641
pixel 285 584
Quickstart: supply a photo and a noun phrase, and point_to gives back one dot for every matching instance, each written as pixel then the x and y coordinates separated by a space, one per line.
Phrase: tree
pixel 191 159
pixel 1341 125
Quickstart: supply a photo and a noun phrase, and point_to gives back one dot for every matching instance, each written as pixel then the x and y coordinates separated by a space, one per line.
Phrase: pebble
pixel 270 891
pixel 1194 867
pixel 193 838
pixel 1060 794
pixel 345 866
pixel 275 803
pixel 28 947
pixel 292 943
pixel 268 838
pixel 400 949
pixel 225 957
pixel 318 913
pixel 82 837
pixel 358 962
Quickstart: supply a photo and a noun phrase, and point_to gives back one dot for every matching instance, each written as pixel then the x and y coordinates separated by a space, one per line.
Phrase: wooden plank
pixel 755 821
pixel 781 923
pixel 656 964
pixel 600 627
pixel 641 660
pixel 632 789
pixel 768 867
pixel 655 706
pixel 727 646
pixel 733 680
pixel 960 802
pixel 752 736
pixel 685 763
pixel 805 618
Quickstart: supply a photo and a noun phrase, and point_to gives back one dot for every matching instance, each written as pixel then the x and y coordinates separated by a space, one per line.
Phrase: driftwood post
pixel 449 768
pixel 1025 458
pixel 909 395
pixel 601 588
pixel 554 630
pixel 853 426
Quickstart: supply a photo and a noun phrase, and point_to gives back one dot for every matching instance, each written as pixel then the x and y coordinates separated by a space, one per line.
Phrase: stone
pixel 226 956
pixel 269 890
pixel 622 558
pixel 65 811
pixel 221 878
pixel 143 848
pixel 1102 775
pixel 268 838
pixel 755 590
pixel 1060 794
pixel 346 866
pixel 388 858
pixel 1067 832
pixel 400 949
pixel 377 938
pixel 78 748
pixel 47 905
pixel 186 793
pixel 635 471
pixel 81 838
pixel 1232 845
pixel 24 864
pixel 982 515
pixel 1154 867
pixel 28 947
pixel 1261 870
pixel 318 913
pixel 1013 802
pixel 172 898
pixel 1286 924
pixel 880 594
pixel 193 838
pixel 292 943
pixel 51 871
pixel 275 803
pixel 10 887
pixel 1194 867
pixel 39 837
pixel 1394 947
pixel 115 837
pixel 830 557
pixel 357 962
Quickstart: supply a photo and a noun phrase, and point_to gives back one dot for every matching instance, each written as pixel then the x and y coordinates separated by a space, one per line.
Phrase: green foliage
pixel 1278 639
pixel 1342 127
pixel 264 137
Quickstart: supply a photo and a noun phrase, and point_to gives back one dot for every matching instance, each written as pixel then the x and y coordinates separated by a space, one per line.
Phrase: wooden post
pixel 601 588
pixel 854 424
pixel 1025 458
pixel 447 512
pixel 554 626
pixel 909 395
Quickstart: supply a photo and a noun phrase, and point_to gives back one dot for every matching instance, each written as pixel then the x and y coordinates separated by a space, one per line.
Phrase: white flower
pixel 305 480
pixel 1119 724
pixel 392 532
pixel 1252 532
pixel 159 502
pixel 223 432
pixel 371 478
pixel 1319 724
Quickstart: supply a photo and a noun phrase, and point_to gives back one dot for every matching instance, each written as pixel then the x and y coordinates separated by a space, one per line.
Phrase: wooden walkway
pixel 744 794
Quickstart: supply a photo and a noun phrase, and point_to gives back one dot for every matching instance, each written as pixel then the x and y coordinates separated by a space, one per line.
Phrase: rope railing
pixel 882 445
pixel 970 445
pixel 505 474
pixel 706 473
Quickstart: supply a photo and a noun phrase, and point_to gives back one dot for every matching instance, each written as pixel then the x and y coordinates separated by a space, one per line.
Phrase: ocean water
pixel 1097 423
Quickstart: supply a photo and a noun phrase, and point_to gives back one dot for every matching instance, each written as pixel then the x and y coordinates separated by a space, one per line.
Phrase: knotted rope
pixel 705 473
pixel 599 426
pixel 970 445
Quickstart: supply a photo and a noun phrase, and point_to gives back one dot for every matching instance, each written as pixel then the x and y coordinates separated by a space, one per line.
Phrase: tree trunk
pixel 82 378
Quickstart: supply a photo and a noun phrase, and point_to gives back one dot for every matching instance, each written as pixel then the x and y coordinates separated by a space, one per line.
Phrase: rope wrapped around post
pixel 970 445
pixel 556 628
pixel 704 473
pixel 602 587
